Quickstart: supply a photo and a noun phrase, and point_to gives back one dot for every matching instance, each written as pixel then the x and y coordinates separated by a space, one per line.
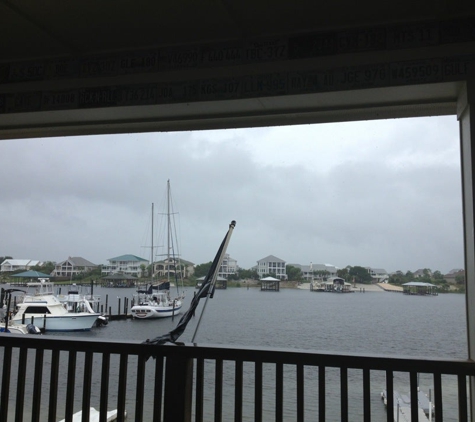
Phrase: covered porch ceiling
pixel 32 32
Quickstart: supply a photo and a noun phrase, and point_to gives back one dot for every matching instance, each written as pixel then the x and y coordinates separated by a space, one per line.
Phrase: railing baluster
pixel 37 387
pixel 390 396
pixel 173 388
pixel 321 393
pixel 6 375
pixel 366 396
pixel 218 391
pixel 414 399
pixel 158 389
pixel 279 392
pixel 70 386
pixel 462 396
pixel 344 393
pixel 53 391
pixel 20 392
pixel 258 392
pixel 121 392
pixel 300 393
pixel 238 391
pixel 86 386
pixel 439 413
pixel 104 387
pixel 178 388
pixel 139 388
pixel 200 366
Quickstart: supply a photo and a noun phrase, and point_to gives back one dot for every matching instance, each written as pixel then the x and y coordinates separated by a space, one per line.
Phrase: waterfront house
pixel 454 276
pixel 228 267
pixel 170 266
pixel 9 265
pixel 316 271
pixel 379 275
pixel 73 266
pixel 273 266
pixel 125 264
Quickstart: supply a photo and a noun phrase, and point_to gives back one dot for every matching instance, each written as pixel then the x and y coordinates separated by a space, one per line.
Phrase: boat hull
pixel 150 311
pixel 67 322
pixel 20 329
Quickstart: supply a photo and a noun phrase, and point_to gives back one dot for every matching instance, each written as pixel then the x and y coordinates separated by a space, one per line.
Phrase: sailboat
pixel 154 301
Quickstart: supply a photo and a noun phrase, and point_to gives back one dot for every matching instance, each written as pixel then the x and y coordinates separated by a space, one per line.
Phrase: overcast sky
pixel 383 194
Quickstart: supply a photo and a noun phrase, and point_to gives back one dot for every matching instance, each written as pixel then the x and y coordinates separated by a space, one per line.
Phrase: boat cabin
pixel 337 285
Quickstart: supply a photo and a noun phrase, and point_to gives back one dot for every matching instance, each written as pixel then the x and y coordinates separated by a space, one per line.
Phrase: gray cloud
pixel 383 194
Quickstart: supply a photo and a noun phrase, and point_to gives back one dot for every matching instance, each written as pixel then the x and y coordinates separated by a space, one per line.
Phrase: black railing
pixel 48 379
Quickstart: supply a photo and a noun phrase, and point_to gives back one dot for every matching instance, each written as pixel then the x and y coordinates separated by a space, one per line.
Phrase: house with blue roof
pixel 125 264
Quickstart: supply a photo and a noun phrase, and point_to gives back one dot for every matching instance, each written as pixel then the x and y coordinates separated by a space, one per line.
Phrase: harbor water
pixel 381 323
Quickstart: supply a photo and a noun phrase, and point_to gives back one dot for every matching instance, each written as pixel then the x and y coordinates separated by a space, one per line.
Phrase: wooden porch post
pixel 466 115
pixel 178 389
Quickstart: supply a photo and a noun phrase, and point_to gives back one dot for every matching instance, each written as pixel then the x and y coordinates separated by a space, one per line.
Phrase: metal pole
pixel 215 275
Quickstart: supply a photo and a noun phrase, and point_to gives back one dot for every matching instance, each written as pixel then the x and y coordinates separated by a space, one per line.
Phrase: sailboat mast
pixel 151 253
pixel 169 230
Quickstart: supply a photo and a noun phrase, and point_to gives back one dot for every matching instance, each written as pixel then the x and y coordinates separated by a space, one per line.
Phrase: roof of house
pixel 419 283
pixel 315 267
pixel 77 261
pixel 20 262
pixel 128 258
pixel 271 258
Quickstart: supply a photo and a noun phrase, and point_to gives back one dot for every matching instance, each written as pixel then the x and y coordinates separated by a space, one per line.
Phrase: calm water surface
pixel 372 322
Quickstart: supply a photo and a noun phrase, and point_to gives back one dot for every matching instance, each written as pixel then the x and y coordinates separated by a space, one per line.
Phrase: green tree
pixel 360 275
pixel 143 269
pixel 293 273
pixel 343 273
pixel 243 274
pixel 202 270
pixel 47 267
pixel 460 279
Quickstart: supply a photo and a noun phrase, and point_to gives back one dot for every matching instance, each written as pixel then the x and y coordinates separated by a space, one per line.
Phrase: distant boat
pixel 75 301
pixel 402 406
pixel 154 301
pixel 5 324
pixel 43 309
pixel 19 329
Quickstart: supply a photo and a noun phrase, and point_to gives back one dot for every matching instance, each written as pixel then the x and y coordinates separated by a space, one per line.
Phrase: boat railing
pixel 47 378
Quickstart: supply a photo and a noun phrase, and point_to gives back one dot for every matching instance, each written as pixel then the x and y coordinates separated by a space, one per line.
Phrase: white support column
pixel 466 115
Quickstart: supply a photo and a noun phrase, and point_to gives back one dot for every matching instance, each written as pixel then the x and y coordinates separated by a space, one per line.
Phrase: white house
pixel 228 267
pixel 272 265
pixel 73 266
pixel 18 264
pixel 169 265
pixel 379 275
pixel 125 264
pixel 316 271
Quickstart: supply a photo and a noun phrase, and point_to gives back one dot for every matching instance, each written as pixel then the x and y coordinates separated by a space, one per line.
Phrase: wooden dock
pixel 390 287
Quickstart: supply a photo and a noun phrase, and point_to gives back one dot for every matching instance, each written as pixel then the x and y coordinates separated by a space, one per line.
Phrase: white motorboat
pixel 155 301
pixel 43 309
pixel 20 329
pixel 5 324
pixel 155 304
pixel 75 301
